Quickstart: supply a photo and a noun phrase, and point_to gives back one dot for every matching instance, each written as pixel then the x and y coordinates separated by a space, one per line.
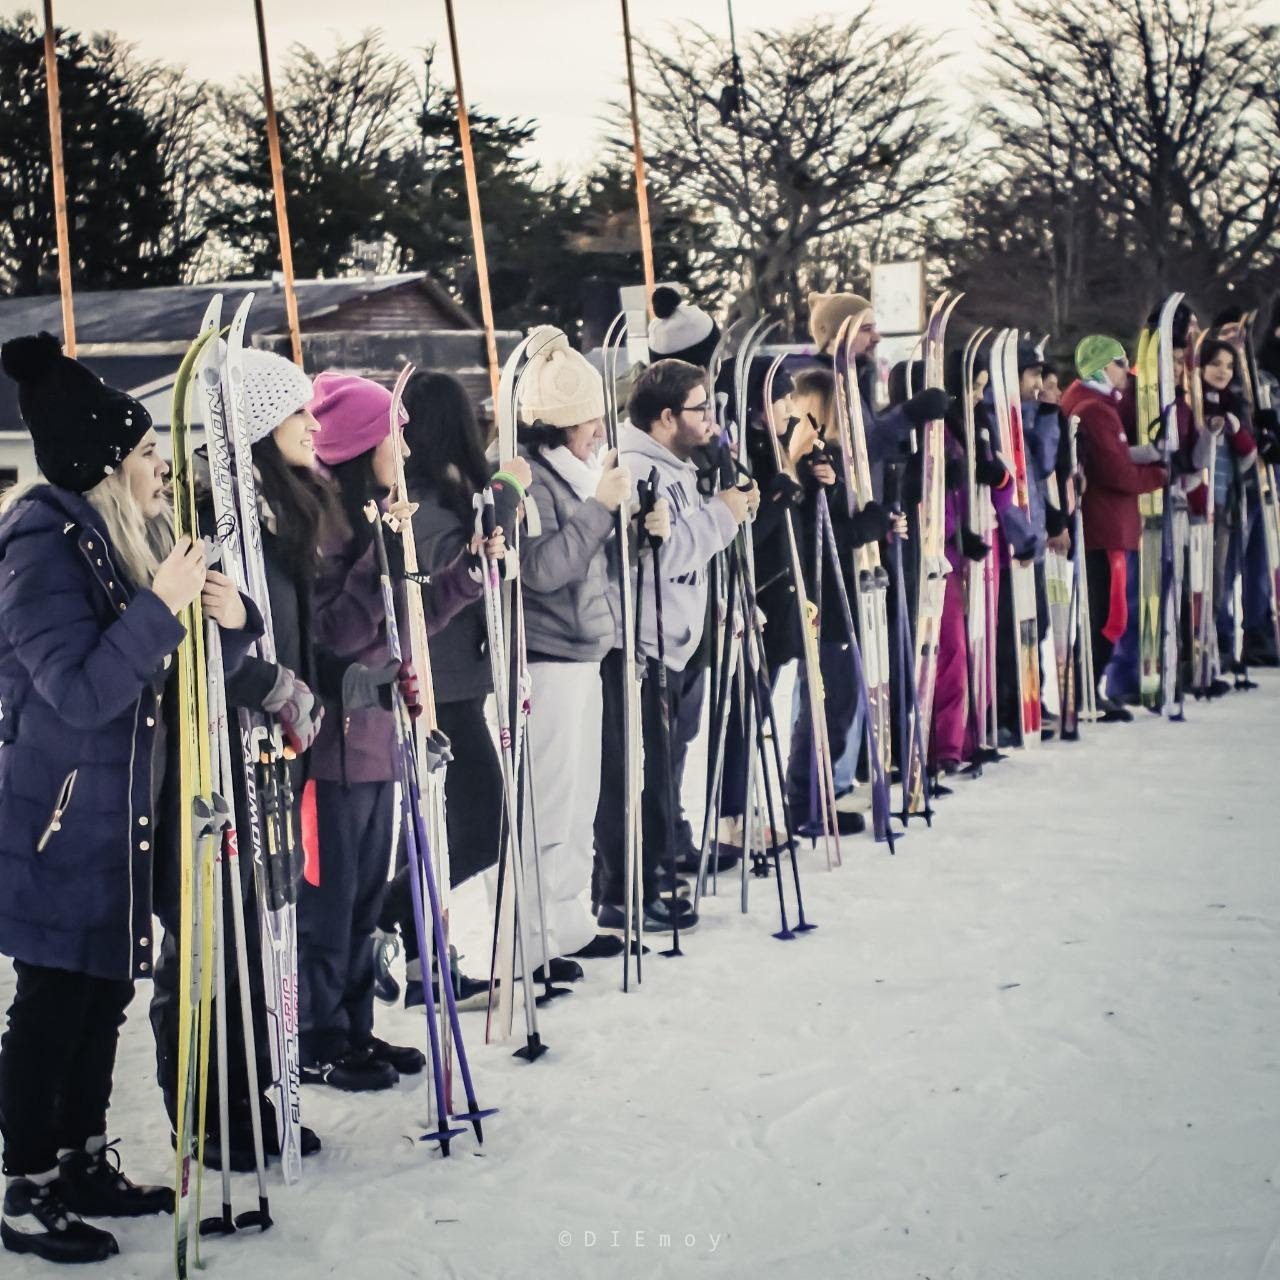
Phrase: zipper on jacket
pixel 55 819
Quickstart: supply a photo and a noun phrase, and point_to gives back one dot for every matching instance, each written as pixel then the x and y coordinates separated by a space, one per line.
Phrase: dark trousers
pixel 336 919
pixel 472 790
pixel 737 750
pixel 1098 567
pixel 56 1062
pixel 165 1023
pixel 840 706
pixel 609 872
pixel 688 689
pixel 1008 704
pixel 473 815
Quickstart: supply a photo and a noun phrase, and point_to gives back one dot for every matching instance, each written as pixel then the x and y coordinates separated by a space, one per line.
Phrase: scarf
pixel 582 477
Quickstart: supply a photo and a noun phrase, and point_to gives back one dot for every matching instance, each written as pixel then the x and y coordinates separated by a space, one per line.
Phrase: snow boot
pixel 658 916
pixel 93 1184
pixel 562 970
pixel 355 1071
pixel 604 946
pixel 37 1220
pixel 386 946
pixel 406 1060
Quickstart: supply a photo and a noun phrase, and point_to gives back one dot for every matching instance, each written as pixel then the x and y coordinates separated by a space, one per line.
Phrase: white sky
pixel 560 61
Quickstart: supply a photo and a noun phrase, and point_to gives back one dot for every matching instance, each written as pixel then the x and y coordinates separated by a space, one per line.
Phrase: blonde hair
pixel 139 544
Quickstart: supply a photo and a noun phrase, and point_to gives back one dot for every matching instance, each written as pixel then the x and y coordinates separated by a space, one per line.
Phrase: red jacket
pixel 1113 480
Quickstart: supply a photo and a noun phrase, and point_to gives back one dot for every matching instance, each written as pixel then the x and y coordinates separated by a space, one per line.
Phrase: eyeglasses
pixel 703 410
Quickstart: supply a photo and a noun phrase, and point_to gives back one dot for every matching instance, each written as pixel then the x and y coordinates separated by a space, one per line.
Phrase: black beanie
pixel 82 428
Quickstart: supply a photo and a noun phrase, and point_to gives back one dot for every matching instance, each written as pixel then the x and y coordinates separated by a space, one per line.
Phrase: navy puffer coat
pixel 84 657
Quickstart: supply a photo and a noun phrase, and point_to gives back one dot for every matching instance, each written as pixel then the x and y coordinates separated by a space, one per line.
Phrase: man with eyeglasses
pixel 670 417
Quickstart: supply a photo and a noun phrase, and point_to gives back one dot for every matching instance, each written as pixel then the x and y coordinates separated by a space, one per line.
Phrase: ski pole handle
pixel 647 492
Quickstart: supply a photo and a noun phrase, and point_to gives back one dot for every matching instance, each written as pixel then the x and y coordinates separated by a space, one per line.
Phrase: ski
pixel 871 656
pixel 934 565
pixel 1004 378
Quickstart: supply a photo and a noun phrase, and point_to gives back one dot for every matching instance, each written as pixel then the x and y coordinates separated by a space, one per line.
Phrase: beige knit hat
pixel 828 311
pixel 558 386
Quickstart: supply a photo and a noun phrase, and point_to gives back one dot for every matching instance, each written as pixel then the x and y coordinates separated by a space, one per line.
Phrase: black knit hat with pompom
pixel 680 330
pixel 82 428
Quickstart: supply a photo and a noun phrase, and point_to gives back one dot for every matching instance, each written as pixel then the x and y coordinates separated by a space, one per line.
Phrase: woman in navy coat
pixel 91 584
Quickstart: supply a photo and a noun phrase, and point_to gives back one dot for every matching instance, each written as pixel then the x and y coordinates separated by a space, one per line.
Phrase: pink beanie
pixel 354 416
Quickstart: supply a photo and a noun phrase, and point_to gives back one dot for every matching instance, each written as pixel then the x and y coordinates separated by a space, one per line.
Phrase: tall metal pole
pixel 59 180
pixel 277 183
pixel 746 224
pixel 642 190
pixel 473 201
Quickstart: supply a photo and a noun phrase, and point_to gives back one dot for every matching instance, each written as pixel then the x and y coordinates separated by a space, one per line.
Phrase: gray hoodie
pixel 700 527
pixel 571 608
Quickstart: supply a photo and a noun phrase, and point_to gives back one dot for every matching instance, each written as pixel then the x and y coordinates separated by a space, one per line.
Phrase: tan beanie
pixel 828 311
pixel 558 386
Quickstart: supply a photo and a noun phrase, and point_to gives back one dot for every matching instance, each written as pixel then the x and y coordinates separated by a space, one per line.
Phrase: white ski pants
pixel 564 742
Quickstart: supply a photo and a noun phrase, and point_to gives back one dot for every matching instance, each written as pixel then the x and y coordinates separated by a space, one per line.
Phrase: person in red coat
pixel 1116 472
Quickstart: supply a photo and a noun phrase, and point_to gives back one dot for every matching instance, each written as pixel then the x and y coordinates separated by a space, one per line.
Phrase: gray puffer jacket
pixel 570 597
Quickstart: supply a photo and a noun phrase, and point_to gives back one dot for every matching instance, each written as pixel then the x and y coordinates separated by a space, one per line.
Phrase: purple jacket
pixel 350 623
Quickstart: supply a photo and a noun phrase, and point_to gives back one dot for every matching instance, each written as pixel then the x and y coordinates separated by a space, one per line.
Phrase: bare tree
pixel 1152 130
pixel 832 136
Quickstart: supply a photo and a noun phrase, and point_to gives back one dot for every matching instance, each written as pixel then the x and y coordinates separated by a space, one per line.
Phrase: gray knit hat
pixel 274 389
pixel 558 386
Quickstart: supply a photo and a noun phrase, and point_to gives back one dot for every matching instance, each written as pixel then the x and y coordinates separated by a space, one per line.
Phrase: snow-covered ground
pixel 1040 1043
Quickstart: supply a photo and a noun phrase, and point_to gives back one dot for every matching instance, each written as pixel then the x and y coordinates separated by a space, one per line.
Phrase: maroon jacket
pixel 1113 479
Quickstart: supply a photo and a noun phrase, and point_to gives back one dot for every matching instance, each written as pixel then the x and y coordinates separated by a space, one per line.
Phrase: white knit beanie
pixel 558 385
pixel 274 389
pixel 677 325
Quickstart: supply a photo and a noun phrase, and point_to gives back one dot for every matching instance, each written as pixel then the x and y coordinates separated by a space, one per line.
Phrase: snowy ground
pixel 1038 1044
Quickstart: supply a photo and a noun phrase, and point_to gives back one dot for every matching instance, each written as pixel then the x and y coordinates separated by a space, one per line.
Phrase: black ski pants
pixel 56 1062
pixel 165 1022
pixel 473 815
pixel 336 918
pixel 840 705
pixel 609 872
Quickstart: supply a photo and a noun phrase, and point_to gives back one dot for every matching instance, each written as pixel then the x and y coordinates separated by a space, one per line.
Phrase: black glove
pixel 927 406
pixel 783 490
pixel 1266 420
pixel 953 474
pixel 987 468
pixel 1269 448
pixel 870 524
pixel 1055 520
pixel 364 686
pixel 973 546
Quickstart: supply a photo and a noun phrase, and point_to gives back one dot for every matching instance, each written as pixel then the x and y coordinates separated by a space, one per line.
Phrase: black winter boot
pixel 37 1220
pixel 93 1184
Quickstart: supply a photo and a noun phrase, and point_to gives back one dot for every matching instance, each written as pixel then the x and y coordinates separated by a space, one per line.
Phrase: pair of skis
pixel 933 564
pixel 208 831
pixel 1165 528
pixel 982 578
pixel 1005 384
pixel 871 657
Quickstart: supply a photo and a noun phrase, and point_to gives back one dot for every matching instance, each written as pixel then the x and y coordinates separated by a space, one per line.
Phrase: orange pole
pixel 277 183
pixel 473 201
pixel 642 190
pixel 59 180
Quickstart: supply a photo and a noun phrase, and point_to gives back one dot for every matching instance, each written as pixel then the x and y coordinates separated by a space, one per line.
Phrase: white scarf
pixel 582 477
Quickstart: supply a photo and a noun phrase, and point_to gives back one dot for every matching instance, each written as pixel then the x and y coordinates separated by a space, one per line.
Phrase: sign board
pixel 897 293
pixel 636 305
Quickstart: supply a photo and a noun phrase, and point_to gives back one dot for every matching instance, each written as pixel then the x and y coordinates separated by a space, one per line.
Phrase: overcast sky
pixel 560 61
